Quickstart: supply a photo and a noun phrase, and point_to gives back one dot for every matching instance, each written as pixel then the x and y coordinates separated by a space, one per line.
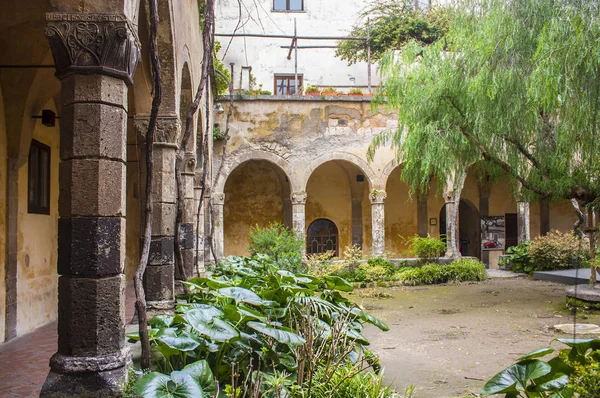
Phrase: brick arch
pixel 346 156
pixel 278 161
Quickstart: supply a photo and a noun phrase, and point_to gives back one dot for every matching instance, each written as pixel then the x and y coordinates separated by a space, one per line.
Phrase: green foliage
pixel 458 270
pixel 518 257
pixel 217 133
pixel 283 245
pixel 349 381
pixel 557 250
pixel 393 23
pixel 515 85
pixel 321 264
pixel 312 88
pixel 254 328
pixel 356 91
pixel 221 82
pixel 572 373
pixel 427 247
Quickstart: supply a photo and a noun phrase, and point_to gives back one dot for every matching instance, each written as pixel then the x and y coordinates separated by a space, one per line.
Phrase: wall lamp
pixel 219 108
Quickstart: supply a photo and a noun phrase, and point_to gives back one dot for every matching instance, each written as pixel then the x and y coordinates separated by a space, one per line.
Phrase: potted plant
pixel 312 90
pixel 356 92
pixel 329 91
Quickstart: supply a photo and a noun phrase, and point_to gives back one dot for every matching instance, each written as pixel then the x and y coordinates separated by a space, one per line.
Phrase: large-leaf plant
pixel 247 324
pixel 532 377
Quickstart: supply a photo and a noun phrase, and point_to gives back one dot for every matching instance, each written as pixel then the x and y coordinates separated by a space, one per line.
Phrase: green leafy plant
pixel 459 270
pixel 217 133
pixel 518 257
pixel 392 24
pixel 222 83
pixel 558 250
pixel 427 247
pixel 256 328
pixel 356 91
pixel 283 245
pixel 321 264
pixel 565 375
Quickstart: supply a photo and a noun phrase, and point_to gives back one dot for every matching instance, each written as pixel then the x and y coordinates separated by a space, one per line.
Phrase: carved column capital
pixel 299 198
pixel 189 163
pixel 84 43
pixel 218 198
pixel 377 197
pixel 167 128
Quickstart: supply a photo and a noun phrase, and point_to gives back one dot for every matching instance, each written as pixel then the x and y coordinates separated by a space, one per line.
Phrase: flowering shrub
pixel 558 250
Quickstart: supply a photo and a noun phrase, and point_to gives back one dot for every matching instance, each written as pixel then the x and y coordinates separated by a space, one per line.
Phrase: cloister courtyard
pixel 445 340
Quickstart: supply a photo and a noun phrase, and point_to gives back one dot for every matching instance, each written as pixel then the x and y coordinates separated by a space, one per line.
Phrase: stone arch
pixel 256 192
pixel 346 156
pixel 237 160
pixel 387 171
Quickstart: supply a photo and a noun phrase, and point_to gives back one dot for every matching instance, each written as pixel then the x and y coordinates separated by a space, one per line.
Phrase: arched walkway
pixel 257 192
pixel 338 190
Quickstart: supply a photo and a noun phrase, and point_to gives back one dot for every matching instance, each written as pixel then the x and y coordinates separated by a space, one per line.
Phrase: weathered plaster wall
pixel 400 215
pixel 304 137
pixel 37 244
pixel 329 197
pixel 3 166
pixel 253 196
pixel 435 203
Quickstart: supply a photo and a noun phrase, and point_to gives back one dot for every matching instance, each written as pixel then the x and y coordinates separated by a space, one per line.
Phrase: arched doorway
pixel 469 228
pixel 322 237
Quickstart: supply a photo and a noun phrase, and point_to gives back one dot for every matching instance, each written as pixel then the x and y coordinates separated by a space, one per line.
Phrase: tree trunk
pixel 140 302
pixel 208 35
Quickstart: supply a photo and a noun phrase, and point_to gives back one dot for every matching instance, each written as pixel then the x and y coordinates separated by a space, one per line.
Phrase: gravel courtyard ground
pixel 447 340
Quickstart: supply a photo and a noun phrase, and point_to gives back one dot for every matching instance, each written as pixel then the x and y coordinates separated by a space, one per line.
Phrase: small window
pixel 38 192
pixel 286 84
pixel 288 5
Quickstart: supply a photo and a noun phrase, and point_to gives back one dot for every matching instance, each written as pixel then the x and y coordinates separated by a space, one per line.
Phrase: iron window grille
pixel 322 237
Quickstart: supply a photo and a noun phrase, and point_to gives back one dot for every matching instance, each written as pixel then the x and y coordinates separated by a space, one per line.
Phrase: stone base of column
pixel 109 383
pixel 103 376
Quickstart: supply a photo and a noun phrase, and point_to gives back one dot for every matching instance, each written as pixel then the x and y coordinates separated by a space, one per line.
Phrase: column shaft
pixel 218 204
pixel 378 222
pixel 299 217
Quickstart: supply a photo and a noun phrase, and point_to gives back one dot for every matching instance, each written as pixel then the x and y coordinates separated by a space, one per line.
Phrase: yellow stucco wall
pixel 502 200
pixel 400 216
pixel 3 166
pixel 435 203
pixel 37 244
pixel 562 215
pixel 253 196
pixel 329 196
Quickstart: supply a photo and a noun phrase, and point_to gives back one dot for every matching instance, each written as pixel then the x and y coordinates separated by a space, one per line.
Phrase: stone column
pixel 287 213
pixel 188 224
pixel 299 216
pixel 218 203
pixel 159 277
pixel 523 221
pixel 422 217
pixel 199 234
pixel 378 221
pixel 95 57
